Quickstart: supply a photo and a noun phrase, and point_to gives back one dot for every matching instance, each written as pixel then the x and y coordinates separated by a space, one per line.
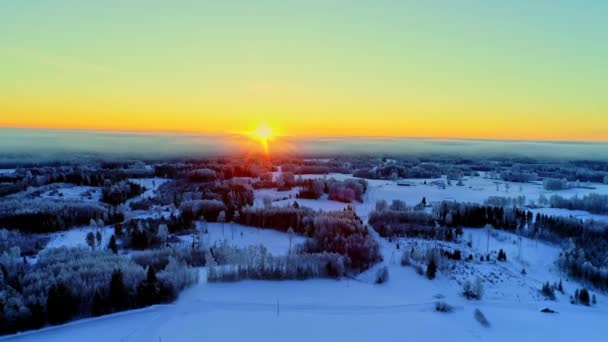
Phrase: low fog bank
pixel 35 145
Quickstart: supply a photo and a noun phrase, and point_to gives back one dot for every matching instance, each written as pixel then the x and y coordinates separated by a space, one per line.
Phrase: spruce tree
pixel 431 270
pixel 90 239
pixel 148 291
pixel 584 297
pixel 118 292
pixel 98 238
pixel 112 245
pixel 59 304
pixel 97 309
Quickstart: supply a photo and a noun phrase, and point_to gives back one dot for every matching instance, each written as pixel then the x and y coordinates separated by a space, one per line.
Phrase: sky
pixel 489 69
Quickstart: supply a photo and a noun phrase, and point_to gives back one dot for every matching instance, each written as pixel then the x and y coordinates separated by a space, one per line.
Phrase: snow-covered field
pixel 357 309
pixel 151 185
pixel 76 237
pixel 75 192
pixel 350 309
pixel 276 243
pixel 475 189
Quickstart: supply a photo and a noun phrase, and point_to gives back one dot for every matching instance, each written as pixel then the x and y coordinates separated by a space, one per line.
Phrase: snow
pixel 357 309
pixel 347 310
pixel 151 185
pixel 77 237
pixel 6 171
pixel 77 192
pixel 238 235
pixel 475 189
pixel 280 197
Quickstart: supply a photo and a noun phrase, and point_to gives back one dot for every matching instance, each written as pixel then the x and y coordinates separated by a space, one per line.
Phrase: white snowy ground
pixel 475 189
pixel 75 192
pixel 353 310
pixel 276 243
pixel 357 309
pixel 77 237
pixel 151 185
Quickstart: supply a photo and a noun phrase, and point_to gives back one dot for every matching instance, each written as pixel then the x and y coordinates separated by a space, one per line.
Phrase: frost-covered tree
pixel 286 180
pixel 473 290
pixel 221 218
pixel 381 205
pixel 163 233
pixel 542 200
pixel 398 205
pixel 267 201
pixel 382 275
pixel 555 184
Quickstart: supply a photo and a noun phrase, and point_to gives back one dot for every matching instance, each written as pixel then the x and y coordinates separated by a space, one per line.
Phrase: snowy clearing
pixel 85 193
pixel 276 243
pixel 76 237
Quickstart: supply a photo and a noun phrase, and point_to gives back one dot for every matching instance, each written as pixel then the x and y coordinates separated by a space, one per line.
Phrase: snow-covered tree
pixel 163 233
pixel 267 201
pixel 473 290
pixel 398 205
pixel 221 218
pixel 381 205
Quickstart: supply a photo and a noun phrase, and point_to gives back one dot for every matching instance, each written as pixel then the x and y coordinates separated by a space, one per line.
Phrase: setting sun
pixel 263 133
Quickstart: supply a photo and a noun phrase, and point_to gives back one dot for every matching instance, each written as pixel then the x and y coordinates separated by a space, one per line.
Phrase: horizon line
pixel 300 137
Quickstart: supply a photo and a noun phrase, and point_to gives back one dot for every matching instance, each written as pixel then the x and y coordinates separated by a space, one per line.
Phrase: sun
pixel 263 133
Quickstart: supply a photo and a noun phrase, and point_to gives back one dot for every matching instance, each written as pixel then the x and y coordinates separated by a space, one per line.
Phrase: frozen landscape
pixel 277 171
pixel 529 293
